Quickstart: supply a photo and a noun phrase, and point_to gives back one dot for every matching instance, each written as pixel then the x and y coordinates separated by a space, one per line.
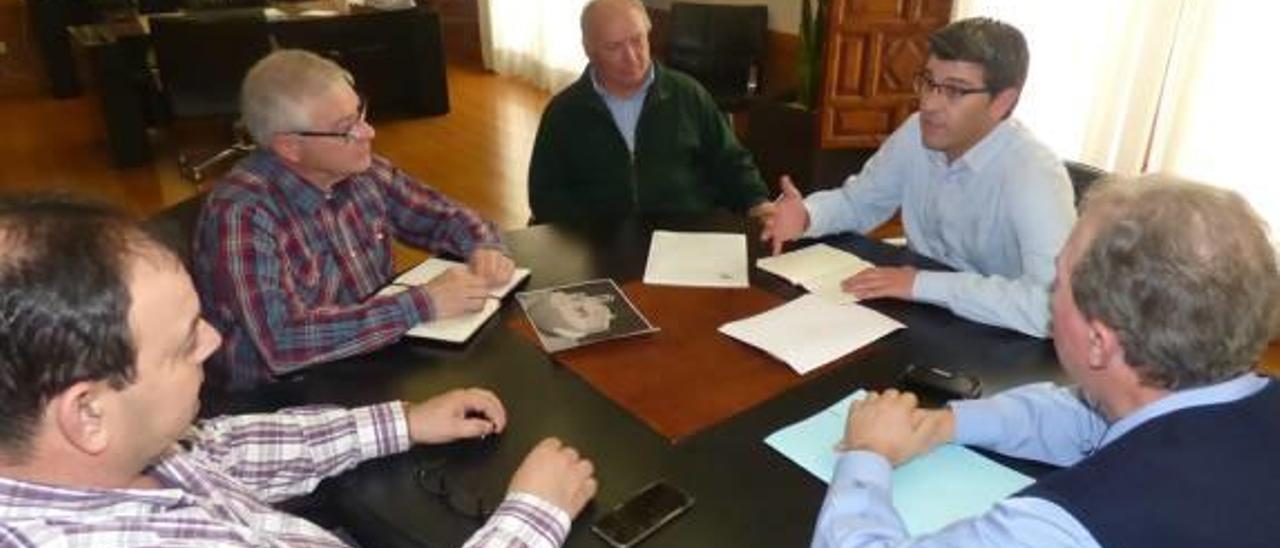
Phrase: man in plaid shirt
pixel 294 243
pixel 101 346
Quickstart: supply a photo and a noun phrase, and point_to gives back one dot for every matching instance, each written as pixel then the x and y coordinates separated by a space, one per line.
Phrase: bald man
pixel 632 137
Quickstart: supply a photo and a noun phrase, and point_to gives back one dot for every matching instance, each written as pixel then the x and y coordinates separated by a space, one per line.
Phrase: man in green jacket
pixel 630 137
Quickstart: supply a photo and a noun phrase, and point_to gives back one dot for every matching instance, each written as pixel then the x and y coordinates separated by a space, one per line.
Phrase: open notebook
pixel 458 328
pixel 818 268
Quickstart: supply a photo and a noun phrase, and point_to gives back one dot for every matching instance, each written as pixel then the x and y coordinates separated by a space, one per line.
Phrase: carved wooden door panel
pixel 874 49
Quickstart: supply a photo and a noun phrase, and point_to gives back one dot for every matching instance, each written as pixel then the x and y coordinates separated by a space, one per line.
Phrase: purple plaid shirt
pixel 287 273
pixel 218 489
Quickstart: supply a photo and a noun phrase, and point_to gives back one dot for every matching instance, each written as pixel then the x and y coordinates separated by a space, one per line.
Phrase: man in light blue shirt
pixel 1165 295
pixel 977 191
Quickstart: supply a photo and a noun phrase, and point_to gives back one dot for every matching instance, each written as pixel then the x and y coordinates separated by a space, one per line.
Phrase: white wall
pixel 784 15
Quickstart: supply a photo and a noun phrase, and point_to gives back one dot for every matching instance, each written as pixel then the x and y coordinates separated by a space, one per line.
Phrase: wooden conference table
pixel 697 419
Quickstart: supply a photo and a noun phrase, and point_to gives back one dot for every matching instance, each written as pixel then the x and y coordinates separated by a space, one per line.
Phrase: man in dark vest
pixel 1165 295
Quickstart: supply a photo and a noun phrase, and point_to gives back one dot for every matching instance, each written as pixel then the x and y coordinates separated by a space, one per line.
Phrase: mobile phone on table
pixel 939 385
pixel 630 522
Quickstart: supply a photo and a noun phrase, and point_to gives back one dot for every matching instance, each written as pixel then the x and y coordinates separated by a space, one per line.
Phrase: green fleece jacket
pixel 686 158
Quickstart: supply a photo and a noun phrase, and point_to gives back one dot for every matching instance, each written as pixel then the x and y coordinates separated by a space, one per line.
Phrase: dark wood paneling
pixel 874 48
pixel 20 70
pixel 460 29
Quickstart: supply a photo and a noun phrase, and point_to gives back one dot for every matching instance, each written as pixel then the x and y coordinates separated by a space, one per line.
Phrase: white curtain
pixel 1097 68
pixel 536 40
pixel 1134 86
pixel 1219 116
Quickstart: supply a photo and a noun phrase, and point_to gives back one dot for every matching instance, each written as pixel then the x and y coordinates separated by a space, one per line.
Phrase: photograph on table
pixel 582 313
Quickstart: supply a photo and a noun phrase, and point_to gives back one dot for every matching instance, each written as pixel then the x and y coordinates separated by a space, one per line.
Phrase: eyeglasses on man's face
pixel 349 134
pixel 925 85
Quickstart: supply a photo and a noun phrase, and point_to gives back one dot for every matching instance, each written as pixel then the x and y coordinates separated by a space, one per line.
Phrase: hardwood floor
pixel 478 153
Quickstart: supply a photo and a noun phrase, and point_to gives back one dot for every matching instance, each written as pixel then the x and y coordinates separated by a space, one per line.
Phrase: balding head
pixel 615 36
pixel 598 11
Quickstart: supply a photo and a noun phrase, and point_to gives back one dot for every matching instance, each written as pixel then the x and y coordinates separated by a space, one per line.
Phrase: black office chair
pixel 1083 176
pixel 201 58
pixel 388 68
pixel 723 47
pixel 175 226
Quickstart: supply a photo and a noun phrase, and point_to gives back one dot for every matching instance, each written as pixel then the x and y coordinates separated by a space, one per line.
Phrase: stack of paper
pixel 458 328
pixel 697 259
pixel 818 268
pixel 935 489
pixel 811 331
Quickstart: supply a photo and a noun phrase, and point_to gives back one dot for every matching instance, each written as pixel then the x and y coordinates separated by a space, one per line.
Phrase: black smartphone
pixel 628 523
pixel 939 385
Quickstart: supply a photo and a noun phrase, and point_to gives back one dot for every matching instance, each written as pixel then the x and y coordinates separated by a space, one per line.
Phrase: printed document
pixel 456 329
pixel 933 490
pixel 811 331
pixel 697 259
pixel 818 268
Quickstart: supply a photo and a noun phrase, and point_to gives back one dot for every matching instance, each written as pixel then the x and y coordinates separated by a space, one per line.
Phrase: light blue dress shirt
pixel 999 214
pixel 625 110
pixel 1040 422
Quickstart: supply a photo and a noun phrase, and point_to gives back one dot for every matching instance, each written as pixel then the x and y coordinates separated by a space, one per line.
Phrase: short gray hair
pixel 277 88
pixel 1185 275
pixel 584 22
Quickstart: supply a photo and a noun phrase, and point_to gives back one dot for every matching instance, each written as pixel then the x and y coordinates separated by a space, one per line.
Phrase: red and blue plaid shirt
pixel 288 273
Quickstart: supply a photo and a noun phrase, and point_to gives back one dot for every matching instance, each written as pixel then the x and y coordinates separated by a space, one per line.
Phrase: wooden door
pixel 874 49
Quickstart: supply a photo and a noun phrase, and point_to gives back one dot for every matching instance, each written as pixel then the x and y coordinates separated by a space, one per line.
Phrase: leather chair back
pixel 202 57
pixel 175 226
pixel 1083 176
pixel 722 47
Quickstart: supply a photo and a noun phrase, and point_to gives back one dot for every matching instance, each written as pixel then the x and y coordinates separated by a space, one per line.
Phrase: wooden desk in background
pixel 396 57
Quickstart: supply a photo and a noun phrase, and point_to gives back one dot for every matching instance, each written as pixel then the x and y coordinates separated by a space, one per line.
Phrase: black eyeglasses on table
pixel 432 478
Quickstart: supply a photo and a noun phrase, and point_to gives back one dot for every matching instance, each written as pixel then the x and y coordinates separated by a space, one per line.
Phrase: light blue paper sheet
pixel 933 490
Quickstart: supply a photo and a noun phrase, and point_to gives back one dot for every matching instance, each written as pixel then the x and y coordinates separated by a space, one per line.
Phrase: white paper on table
pixel 697 259
pixel 828 286
pixel 818 268
pixel 811 331
pixel 456 329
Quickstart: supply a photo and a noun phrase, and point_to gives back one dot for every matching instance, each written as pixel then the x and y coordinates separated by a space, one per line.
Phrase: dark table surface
pixel 747 494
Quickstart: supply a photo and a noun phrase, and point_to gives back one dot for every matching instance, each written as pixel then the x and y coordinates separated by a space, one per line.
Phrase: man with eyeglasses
pixel 294 243
pixel 977 191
